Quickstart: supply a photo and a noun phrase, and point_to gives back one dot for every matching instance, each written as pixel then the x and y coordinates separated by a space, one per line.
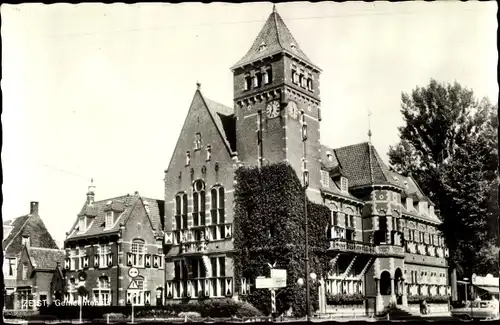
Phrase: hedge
pixel 345 299
pixel 269 228
pixel 220 308
pixel 428 299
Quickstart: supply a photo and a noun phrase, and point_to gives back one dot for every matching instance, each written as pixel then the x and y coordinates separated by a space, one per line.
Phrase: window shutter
pixel 169 289
pixel 228 231
pixel 147 297
pixel 243 286
pixel 110 259
pixel 129 259
pixel 148 260
pixel 169 238
pixel 85 262
pixel 189 288
pixel 155 261
pixel 229 287
pixel 66 263
pixel 207 288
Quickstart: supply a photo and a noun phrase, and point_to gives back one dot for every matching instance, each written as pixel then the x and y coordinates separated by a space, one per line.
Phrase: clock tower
pixel 276 92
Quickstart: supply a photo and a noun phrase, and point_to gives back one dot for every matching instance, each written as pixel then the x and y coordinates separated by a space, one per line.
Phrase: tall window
pixel 181 208
pixel 248 83
pixel 11 267
pixel 188 158
pixel 295 75
pixel 217 213
pixel 255 79
pixel 138 253
pixel 103 252
pixel 209 153
pixel 218 282
pixel 325 179
pixel 349 227
pixel 102 294
pixel 82 224
pixel 199 203
pixel 25 271
pixel 344 185
pixel 197 141
pixel 109 220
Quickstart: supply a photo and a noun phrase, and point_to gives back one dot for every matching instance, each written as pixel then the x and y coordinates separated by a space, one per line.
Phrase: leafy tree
pixel 449 145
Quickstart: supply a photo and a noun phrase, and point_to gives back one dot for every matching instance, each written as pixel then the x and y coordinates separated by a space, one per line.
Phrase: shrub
pixel 23 314
pixel 345 299
pixel 247 310
pixel 190 314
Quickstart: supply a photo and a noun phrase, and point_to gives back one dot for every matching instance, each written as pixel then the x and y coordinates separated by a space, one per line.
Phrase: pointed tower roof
pixel 274 37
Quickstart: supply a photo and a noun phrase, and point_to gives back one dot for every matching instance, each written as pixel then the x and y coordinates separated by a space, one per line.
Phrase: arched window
pixel 138 252
pixel 217 213
pixel 102 294
pixel 198 203
pixel 197 141
pixel 181 208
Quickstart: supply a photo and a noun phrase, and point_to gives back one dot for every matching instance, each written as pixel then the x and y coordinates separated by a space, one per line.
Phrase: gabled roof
pixel 45 258
pixel 30 225
pixel 223 117
pixel 363 165
pixel 126 203
pixel 274 37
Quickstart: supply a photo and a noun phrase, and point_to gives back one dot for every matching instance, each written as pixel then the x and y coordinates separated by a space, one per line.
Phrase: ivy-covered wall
pixel 269 227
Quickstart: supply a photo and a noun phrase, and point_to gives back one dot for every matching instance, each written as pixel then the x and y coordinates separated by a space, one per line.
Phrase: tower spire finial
pixel 91 193
pixel 198 85
pixel 274 7
pixel 369 126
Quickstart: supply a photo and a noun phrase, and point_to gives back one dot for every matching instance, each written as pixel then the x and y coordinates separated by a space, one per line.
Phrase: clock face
pixel 293 111
pixel 273 109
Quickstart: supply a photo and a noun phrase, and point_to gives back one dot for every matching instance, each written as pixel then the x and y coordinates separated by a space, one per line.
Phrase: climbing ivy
pixel 269 227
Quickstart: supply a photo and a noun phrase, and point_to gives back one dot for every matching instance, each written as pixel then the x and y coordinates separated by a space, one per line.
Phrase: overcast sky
pixel 102 91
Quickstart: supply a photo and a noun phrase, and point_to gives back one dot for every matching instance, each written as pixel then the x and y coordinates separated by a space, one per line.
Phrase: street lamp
pixel 471 308
pixel 300 282
pixel 305 176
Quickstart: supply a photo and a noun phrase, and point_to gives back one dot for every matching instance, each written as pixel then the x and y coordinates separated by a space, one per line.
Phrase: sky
pixel 101 91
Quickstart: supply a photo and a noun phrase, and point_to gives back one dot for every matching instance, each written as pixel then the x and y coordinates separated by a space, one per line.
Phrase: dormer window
pixel 108 223
pixel 344 184
pixel 188 158
pixel 293 46
pixel 82 224
pixel 197 141
pixel 325 179
pixel 262 47
pixel 329 156
pixel 209 153
pixel 26 241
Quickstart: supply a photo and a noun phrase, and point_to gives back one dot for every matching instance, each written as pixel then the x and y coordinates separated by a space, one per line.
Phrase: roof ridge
pixel 275 14
pixel 44 248
pixel 351 145
pixel 370 161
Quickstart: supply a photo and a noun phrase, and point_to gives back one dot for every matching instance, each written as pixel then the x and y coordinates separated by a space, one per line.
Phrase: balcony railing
pixel 389 250
pixel 351 246
pixel 193 248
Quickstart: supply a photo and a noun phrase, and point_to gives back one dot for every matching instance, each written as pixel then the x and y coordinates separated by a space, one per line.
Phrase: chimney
pixel 34 208
pixel 409 204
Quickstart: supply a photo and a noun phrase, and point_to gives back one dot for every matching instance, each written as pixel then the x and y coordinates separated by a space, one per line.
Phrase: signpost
pixel 277 280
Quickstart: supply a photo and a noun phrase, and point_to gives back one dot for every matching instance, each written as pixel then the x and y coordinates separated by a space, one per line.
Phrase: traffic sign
pixel 133 272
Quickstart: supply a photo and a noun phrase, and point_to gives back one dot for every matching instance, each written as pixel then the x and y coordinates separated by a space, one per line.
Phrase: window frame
pixel 138 250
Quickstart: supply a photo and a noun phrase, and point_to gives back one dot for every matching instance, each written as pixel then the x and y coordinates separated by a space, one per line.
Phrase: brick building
pixel 18 232
pixel 383 230
pixel 34 276
pixel 114 252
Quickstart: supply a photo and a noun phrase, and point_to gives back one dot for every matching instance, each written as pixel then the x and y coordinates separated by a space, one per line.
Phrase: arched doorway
pixel 385 283
pixel 398 286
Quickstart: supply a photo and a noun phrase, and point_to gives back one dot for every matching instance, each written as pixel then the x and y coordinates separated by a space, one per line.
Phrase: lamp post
pixel 305 175
pixel 471 309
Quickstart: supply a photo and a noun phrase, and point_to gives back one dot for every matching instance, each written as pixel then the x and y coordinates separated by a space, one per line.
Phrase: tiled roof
pixel 276 37
pixel 31 226
pixel 223 117
pixel 45 258
pixel 125 203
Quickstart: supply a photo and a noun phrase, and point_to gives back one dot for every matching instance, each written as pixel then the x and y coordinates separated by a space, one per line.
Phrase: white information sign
pixel 279 277
pixel 264 283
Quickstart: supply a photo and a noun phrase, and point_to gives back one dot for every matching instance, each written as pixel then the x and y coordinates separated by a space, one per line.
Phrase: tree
pixel 449 145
